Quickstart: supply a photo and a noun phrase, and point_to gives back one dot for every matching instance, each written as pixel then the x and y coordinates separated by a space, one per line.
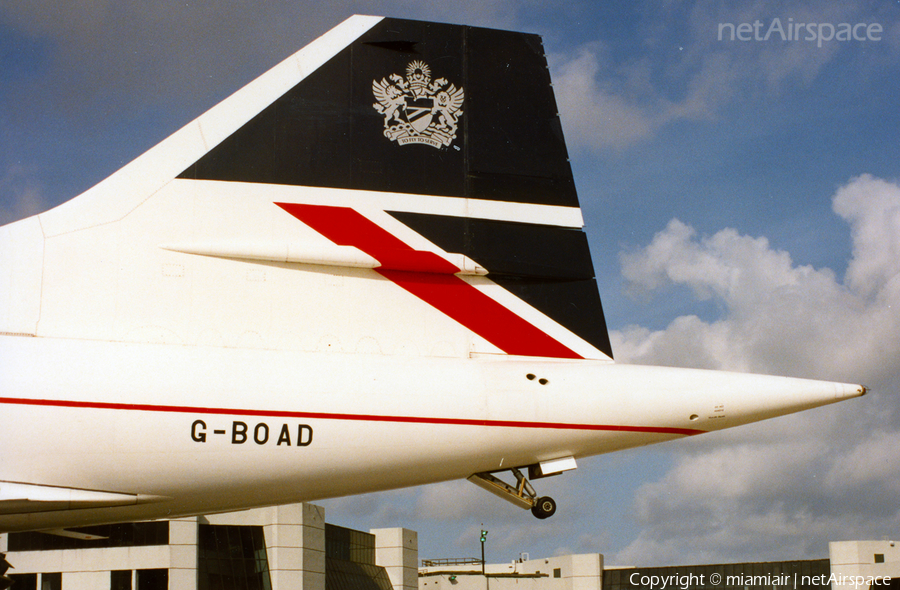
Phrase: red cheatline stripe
pixel 430 278
pixel 336 416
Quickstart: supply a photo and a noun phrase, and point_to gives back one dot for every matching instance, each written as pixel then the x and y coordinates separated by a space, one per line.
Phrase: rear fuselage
pixel 208 429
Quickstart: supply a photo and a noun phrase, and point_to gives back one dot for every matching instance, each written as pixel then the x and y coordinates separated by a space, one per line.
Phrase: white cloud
pixel 687 73
pixel 778 317
pixel 872 206
pixel 750 501
pixel 797 481
pixel 20 195
pixel 593 113
pixel 871 466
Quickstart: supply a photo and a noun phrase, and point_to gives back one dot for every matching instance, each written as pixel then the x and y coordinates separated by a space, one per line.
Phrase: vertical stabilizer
pixel 395 187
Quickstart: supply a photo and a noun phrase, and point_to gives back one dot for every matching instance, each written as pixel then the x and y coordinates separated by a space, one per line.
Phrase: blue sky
pixel 780 161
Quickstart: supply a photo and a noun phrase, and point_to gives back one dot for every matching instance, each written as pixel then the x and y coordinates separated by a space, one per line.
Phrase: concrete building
pixel 293 548
pixel 278 548
pixel 854 561
pixel 569 572
pixel 852 565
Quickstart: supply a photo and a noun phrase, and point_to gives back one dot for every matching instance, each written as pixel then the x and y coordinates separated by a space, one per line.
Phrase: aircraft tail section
pixel 395 187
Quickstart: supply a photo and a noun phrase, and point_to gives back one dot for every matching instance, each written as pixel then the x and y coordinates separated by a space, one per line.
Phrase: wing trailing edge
pixel 21 498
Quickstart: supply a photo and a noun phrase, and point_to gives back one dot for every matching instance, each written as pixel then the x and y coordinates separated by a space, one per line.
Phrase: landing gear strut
pixel 522 495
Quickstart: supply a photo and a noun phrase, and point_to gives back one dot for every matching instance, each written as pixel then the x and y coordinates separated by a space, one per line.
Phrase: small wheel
pixel 544 508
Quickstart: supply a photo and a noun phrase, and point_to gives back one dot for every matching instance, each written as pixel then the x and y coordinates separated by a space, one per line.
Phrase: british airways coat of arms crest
pixel 417 110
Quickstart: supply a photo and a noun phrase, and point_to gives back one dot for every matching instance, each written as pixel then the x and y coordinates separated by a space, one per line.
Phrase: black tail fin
pixel 503 142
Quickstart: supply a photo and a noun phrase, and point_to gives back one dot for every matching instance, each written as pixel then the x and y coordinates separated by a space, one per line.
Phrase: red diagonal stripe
pixel 429 277
pixel 348 227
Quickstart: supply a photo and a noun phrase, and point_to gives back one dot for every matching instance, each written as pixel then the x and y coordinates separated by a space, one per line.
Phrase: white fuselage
pixel 201 429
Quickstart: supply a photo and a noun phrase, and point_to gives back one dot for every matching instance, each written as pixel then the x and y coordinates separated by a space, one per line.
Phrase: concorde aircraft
pixel 364 270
